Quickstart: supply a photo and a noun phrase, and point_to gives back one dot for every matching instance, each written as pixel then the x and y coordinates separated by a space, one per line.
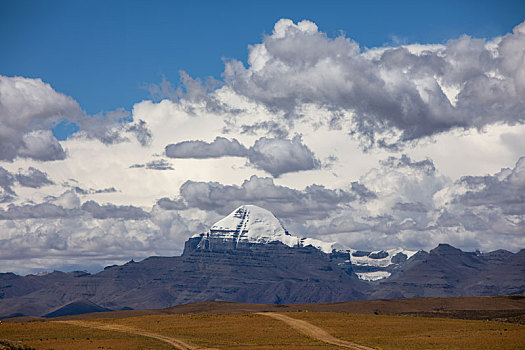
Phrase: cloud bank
pixel 328 92
pixel 31 177
pixel 393 95
pixel 314 201
pixel 220 147
pixel 275 156
pixel 28 108
pixel 402 202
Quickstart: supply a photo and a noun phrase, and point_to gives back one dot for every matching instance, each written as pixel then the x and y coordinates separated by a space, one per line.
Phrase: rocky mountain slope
pixel 250 257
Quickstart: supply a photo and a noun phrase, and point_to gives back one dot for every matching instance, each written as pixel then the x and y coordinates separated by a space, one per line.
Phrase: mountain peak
pixel 253 224
pixel 446 249
pixel 249 224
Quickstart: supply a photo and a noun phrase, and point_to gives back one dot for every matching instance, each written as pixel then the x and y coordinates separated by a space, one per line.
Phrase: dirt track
pixel 179 344
pixel 310 330
pixel 301 326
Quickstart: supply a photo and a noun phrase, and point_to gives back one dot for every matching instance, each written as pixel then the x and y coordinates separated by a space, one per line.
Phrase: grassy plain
pixel 251 331
pixel 403 332
pixel 59 336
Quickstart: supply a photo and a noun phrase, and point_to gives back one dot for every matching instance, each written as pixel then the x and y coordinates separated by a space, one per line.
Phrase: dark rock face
pixel 263 273
pixel 269 273
pixel 447 271
pixel 76 308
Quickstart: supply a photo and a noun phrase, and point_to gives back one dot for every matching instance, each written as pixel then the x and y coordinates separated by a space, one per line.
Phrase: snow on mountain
pixel 379 258
pixel 252 224
pixel 326 247
pixel 379 264
pixel 373 276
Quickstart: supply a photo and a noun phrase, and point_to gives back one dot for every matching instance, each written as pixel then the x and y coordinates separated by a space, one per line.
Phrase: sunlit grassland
pixel 251 331
pixel 225 331
pixel 59 336
pixel 401 332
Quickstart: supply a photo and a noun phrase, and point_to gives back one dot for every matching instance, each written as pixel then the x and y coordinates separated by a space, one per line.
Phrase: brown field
pixel 401 332
pixel 237 326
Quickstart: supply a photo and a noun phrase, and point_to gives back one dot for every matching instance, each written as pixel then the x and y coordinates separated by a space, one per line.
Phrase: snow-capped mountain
pixel 250 257
pixel 250 224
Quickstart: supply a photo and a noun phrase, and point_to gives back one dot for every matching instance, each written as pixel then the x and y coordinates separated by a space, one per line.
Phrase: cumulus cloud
pixel 68 205
pixel 504 190
pixel 172 204
pixel 75 188
pixel 40 236
pixel 141 131
pixel 401 203
pixel 84 191
pixel 399 210
pixel 298 81
pixel 275 156
pixel 114 127
pixel 401 180
pixel 364 193
pixel 269 127
pixel 41 145
pixel 416 207
pixel 393 95
pixel 28 108
pixel 426 166
pixel 6 180
pixel 113 211
pixel 220 147
pixel 314 201
pixel 278 157
pixel 6 183
pixel 493 202
pixel 191 93
pixel 33 178
pixel 32 211
pixel 160 164
pixel 67 200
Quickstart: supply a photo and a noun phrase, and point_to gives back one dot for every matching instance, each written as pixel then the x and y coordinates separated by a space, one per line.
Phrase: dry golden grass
pixel 400 332
pixel 52 335
pixel 251 331
pixel 225 331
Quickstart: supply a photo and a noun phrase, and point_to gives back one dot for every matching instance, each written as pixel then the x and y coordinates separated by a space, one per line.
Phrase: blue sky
pixel 373 124
pixel 103 53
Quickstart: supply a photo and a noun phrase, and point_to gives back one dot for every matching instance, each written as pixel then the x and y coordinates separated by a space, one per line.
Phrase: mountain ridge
pixel 230 263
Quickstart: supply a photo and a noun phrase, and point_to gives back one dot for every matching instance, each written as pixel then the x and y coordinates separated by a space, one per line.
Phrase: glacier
pixel 250 224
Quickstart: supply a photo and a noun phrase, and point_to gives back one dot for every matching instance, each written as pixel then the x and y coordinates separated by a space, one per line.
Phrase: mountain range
pixel 250 257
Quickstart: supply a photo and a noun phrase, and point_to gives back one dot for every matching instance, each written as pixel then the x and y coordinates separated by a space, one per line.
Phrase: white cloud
pixel 27 108
pixel 460 101
pixel 275 156
pixel 278 156
pixel 418 208
pixel 220 147
pixel 395 96
pixel 46 235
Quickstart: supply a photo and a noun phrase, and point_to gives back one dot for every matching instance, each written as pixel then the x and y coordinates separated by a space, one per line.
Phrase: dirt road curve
pixel 178 344
pixel 314 331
